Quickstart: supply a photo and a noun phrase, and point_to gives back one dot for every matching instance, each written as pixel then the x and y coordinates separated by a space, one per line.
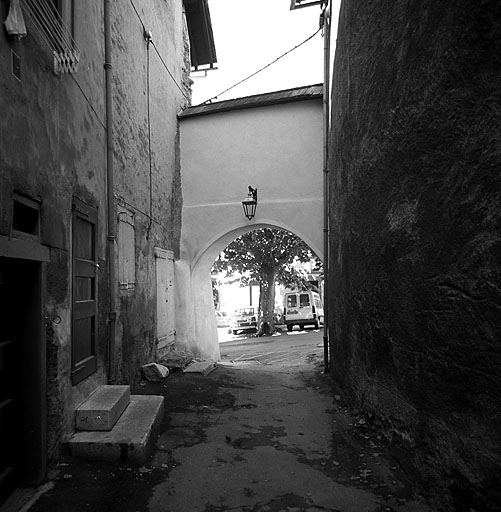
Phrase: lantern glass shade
pixel 249 204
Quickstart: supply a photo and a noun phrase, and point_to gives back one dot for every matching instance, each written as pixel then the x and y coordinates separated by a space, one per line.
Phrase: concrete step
pixel 103 408
pixel 129 440
pixel 203 367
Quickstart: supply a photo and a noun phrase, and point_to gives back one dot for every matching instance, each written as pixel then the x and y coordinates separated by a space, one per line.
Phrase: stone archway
pixel 200 331
pixel 273 142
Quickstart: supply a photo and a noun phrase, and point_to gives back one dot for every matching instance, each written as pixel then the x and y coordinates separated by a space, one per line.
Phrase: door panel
pixel 8 398
pixel 22 376
pixel 84 361
pixel 165 297
pixel 7 421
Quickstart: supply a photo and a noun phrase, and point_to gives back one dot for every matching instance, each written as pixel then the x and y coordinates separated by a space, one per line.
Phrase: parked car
pixel 244 319
pixel 222 319
pixel 303 308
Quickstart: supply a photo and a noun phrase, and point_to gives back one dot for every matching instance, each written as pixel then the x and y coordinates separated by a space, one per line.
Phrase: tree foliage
pixel 268 256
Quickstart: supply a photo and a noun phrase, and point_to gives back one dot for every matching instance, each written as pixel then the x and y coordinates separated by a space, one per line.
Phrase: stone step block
pixel 202 367
pixel 130 439
pixel 103 408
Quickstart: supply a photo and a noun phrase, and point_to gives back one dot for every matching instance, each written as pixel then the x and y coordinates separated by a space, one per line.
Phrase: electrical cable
pixel 263 68
pixel 138 15
pixel 158 52
pixel 168 71
pixel 148 41
pixel 88 101
pixel 121 200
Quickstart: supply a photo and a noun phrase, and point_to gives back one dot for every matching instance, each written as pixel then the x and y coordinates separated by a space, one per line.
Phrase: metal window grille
pixel 126 250
pixel 53 34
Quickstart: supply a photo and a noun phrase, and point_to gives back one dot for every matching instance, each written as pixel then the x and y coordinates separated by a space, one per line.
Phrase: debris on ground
pixel 154 372
pixel 176 359
pixel 203 367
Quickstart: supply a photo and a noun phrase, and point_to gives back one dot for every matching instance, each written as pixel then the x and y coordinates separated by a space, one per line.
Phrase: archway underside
pixel 206 257
pixel 197 323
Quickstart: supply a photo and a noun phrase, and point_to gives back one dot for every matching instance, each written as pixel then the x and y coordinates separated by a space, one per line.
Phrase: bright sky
pixel 251 34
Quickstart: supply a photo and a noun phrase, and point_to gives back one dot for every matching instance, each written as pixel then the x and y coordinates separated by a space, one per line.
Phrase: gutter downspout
pixel 326 20
pixel 111 232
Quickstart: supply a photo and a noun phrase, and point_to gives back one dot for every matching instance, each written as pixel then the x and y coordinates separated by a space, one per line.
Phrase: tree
pixel 268 256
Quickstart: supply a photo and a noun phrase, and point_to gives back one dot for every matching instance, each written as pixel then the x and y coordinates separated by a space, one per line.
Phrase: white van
pixel 303 308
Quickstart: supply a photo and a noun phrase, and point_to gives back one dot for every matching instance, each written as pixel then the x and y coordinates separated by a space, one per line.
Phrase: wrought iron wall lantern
pixel 250 202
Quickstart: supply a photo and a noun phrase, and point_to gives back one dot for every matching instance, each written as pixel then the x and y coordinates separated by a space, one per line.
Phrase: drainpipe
pixel 111 234
pixel 326 20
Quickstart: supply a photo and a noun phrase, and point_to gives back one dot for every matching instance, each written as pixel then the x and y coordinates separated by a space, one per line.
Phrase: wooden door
pixel 85 267
pixel 22 376
pixel 164 264
pixel 8 398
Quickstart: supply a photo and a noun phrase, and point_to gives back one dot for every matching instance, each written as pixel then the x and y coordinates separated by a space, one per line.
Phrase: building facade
pixel 264 141
pixel 90 205
pixel 414 236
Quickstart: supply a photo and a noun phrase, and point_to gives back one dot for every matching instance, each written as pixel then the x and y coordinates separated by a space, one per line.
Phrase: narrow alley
pixel 259 433
pixel 344 154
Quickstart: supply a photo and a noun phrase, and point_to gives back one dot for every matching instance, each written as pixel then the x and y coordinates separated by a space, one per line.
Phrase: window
pixel 25 218
pixel 64 11
pixel 51 23
pixel 291 301
pixel 304 300
pixel 126 250
pixel 202 47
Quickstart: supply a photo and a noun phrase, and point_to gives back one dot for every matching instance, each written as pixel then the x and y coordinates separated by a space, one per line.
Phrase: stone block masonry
pixel 103 408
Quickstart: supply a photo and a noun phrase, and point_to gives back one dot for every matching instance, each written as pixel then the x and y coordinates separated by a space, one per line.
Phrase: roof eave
pixel 295 94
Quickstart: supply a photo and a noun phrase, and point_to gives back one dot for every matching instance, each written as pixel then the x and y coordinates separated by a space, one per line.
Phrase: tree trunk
pixel 266 324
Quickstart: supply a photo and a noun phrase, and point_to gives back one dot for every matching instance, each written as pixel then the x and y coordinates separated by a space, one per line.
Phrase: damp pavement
pixel 263 432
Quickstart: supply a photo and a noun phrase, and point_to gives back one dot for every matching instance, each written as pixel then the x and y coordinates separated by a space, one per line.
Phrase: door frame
pixel 34 450
pixel 82 369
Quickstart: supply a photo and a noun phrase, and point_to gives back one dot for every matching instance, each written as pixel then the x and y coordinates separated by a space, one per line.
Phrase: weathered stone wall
pixel 53 146
pixel 415 235
pixel 146 145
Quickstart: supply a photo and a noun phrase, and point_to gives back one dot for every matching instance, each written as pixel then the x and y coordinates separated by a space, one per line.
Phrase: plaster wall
pixel 146 147
pixel 415 248
pixel 277 149
pixel 53 147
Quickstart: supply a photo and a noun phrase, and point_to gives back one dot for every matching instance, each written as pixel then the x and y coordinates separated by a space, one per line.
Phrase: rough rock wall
pixel 415 235
pixel 51 148
pixel 146 100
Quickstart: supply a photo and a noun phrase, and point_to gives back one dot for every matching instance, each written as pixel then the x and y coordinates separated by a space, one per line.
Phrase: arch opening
pixel 261 265
pixel 197 327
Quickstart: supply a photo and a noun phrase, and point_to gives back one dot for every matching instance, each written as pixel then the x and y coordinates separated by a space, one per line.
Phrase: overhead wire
pixel 121 200
pixel 263 68
pixel 168 71
pixel 89 102
pixel 148 41
pixel 158 52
